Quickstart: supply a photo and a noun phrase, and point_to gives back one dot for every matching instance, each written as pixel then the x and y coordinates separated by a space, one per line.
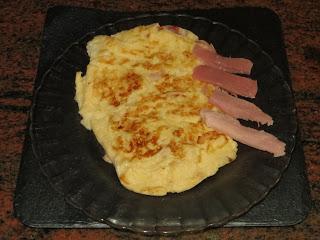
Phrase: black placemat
pixel 38 205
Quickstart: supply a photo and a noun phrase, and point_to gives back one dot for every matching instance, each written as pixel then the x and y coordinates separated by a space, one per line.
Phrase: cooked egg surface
pixel 139 99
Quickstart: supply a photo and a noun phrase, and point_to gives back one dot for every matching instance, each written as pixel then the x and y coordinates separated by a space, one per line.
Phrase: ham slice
pixel 232 83
pixel 239 108
pixel 230 126
pixel 172 28
pixel 208 56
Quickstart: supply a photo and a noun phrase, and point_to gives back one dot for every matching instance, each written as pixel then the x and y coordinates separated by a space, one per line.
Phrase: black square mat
pixel 38 205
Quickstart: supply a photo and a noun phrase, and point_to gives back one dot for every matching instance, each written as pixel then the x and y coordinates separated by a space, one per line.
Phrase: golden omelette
pixel 140 100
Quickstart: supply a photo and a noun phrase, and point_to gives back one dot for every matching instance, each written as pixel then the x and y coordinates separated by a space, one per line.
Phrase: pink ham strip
pixel 208 56
pixel 239 108
pixel 257 139
pixel 233 83
pixel 172 28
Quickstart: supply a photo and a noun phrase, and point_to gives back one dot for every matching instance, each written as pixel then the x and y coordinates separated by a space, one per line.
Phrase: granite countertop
pixel 21 27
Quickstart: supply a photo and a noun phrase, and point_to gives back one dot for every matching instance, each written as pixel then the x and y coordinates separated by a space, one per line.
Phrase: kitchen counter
pixel 21 27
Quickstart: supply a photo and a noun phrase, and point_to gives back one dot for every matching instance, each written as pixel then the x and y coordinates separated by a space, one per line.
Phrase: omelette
pixel 140 100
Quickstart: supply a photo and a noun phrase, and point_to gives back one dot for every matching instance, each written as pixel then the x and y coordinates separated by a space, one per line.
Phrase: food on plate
pixel 152 96
pixel 139 98
pixel 208 56
pixel 249 136
pixel 233 83
pixel 239 108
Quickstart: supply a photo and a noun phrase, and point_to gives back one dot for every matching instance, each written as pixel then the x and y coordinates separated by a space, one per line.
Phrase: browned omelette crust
pixel 139 98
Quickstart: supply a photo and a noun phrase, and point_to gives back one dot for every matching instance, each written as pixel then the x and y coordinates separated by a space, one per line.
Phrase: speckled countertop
pixel 21 24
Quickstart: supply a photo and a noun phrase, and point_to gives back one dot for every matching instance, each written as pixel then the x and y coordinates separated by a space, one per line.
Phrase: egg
pixel 141 102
